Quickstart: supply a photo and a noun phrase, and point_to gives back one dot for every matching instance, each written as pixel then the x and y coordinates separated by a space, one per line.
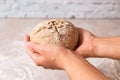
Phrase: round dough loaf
pixel 57 32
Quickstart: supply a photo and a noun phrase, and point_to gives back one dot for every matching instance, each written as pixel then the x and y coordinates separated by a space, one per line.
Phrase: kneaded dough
pixel 57 32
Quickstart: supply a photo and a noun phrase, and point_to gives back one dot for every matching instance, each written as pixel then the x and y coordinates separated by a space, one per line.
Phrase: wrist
pixel 63 58
pixel 91 48
pixel 70 59
pixel 96 45
pixel 66 59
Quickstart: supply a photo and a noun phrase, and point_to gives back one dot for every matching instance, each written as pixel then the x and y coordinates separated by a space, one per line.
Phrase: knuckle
pixel 37 64
pixel 45 67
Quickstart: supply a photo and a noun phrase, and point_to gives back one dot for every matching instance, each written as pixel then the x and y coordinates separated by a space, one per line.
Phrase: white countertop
pixel 16 65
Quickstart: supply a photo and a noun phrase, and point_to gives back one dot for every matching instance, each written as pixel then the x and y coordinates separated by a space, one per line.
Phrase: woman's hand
pixel 48 56
pixel 85 47
pixel 91 46
pixel 57 57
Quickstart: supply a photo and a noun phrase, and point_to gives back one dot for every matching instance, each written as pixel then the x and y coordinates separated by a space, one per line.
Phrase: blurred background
pixel 19 17
pixel 60 9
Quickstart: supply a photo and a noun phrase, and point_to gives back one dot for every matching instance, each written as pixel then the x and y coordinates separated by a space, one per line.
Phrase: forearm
pixel 80 69
pixel 107 47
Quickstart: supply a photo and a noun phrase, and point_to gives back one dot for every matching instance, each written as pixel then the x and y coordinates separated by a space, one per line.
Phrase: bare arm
pixel 80 69
pixel 57 57
pixel 107 47
pixel 92 46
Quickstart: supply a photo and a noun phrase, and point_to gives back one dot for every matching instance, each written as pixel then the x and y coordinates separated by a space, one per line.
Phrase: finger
pixel 36 47
pixel 80 53
pixel 27 38
pixel 42 48
pixel 30 47
pixel 77 55
pixel 80 29
pixel 35 57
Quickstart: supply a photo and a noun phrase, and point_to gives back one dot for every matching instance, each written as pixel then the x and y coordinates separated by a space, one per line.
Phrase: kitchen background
pixel 19 17
pixel 60 8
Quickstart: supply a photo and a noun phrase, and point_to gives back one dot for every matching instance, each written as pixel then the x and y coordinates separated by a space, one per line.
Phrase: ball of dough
pixel 57 32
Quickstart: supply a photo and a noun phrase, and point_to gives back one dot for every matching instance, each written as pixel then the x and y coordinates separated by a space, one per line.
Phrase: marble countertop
pixel 16 65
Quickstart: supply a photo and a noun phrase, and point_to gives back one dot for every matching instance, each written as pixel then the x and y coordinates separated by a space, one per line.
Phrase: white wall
pixel 60 8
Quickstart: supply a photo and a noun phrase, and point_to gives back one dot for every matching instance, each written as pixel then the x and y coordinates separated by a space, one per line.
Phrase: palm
pixel 85 43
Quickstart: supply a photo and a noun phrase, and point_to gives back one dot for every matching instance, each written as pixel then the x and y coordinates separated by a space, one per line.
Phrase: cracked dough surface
pixel 57 32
